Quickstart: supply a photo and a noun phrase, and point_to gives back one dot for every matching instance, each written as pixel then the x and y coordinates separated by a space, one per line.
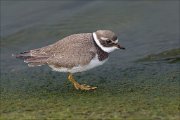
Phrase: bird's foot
pixel 84 87
pixel 79 86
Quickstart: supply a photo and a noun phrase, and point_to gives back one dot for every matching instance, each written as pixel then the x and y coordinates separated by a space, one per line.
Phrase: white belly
pixel 94 63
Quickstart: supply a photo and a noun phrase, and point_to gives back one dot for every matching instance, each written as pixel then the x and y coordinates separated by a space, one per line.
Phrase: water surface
pixel 147 89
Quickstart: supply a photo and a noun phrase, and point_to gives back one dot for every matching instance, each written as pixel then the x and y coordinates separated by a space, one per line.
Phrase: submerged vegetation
pixel 141 91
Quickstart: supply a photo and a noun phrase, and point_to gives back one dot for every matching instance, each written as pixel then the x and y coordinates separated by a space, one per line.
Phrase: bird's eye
pixel 108 41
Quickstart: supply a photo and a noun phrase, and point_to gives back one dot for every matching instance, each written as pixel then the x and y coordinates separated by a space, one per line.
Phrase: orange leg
pixel 79 86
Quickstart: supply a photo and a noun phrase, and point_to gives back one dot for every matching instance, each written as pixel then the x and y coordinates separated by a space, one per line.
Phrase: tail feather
pixel 24 55
pixel 35 59
pixel 35 64
pixel 32 60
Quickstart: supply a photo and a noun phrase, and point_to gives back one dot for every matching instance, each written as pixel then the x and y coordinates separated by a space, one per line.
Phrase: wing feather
pixel 77 49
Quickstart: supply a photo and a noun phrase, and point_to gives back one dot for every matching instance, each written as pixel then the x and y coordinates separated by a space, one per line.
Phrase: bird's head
pixel 107 40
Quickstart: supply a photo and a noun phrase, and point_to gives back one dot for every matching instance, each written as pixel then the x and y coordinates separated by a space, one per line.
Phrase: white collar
pixel 105 49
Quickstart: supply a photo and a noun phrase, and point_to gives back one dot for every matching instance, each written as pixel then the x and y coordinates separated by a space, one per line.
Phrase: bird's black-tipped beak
pixel 120 47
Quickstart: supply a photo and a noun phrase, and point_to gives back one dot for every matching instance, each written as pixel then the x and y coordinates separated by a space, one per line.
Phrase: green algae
pixel 143 91
pixel 149 91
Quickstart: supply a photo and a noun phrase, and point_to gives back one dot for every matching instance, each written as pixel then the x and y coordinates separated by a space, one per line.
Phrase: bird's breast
pixel 92 64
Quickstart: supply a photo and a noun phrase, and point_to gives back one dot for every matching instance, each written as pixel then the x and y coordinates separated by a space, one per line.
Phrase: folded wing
pixel 67 52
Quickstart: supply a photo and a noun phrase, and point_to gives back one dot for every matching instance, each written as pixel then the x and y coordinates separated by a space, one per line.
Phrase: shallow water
pixel 143 28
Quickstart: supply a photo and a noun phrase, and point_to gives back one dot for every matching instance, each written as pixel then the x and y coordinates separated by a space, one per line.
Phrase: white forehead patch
pixel 103 38
pixel 106 49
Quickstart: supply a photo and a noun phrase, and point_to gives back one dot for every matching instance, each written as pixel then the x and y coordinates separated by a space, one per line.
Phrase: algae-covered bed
pixel 149 89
